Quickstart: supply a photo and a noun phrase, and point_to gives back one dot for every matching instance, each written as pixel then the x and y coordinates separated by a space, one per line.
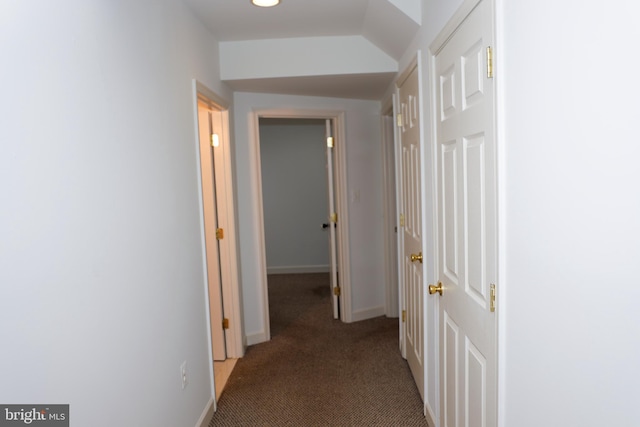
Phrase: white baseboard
pixel 429 415
pixel 207 414
pixel 298 269
pixel 368 313
pixel 256 338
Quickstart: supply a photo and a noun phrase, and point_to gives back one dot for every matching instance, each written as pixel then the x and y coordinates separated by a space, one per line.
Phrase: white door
pixel 466 191
pixel 411 216
pixel 211 222
pixel 335 289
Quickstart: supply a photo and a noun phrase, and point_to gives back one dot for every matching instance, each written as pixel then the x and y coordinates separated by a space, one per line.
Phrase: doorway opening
pixel 298 190
pixel 219 238
pixel 323 220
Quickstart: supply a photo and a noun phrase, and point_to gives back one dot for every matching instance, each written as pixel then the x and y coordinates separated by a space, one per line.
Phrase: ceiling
pixel 239 20
pixel 384 25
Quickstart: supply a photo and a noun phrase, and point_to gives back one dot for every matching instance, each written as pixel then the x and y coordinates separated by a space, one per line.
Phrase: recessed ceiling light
pixel 265 3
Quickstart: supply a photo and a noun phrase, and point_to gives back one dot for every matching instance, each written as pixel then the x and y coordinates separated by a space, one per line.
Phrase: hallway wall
pixel 101 264
pixel 572 331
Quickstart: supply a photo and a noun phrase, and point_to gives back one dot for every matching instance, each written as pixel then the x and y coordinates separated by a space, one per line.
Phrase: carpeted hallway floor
pixel 317 371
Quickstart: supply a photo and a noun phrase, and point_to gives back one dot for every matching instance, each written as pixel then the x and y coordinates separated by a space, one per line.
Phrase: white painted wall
pixel 295 195
pixel 412 8
pixel 364 172
pixel 101 278
pixel 569 326
pixel 572 337
pixel 391 25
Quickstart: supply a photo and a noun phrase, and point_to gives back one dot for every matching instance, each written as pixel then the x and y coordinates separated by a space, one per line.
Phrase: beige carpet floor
pixel 317 371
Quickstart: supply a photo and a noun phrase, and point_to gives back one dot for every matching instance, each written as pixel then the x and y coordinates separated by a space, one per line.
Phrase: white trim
pixel 258 219
pixel 368 313
pixel 425 241
pixel 231 288
pixel 232 298
pixel 434 226
pixel 399 203
pixel 232 305
pixel 298 269
pixel 429 415
pixel 333 249
pixel 205 94
pixel 207 414
pixel 387 105
pixel 389 207
pixel 341 207
pixel 257 338
pixel 404 75
pixel 501 164
pixel 203 244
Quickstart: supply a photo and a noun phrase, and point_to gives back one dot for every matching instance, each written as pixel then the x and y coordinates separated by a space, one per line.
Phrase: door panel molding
pixel 465 159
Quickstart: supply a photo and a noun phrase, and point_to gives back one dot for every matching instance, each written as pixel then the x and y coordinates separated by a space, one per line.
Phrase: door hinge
pixel 492 293
pixel 489 62
pixel 404 316
pixel 330 142
pixel 225 323
pixel 219 233
pixel 401 220
pixel 399 120
pixel 336 291
pixel 334 218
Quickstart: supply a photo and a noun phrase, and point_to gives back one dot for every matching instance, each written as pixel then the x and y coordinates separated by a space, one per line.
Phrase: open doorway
pixel 219 235
pixel 317 216
pixel 295 194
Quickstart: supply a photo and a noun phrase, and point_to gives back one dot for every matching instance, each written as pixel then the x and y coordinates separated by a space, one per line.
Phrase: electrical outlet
pixel 183 374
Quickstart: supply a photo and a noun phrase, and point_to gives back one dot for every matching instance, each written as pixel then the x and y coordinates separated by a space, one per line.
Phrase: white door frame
pixel 341 204
pixel 332 218
pixel 390 206
pixel 231 288
pixel 399 203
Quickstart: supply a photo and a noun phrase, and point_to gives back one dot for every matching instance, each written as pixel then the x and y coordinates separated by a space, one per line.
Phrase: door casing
pixel 341 195
pixel 390 206
pixel 231 287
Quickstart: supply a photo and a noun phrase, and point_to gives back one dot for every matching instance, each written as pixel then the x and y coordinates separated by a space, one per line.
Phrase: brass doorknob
pixel 416 257
pixel 433 289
